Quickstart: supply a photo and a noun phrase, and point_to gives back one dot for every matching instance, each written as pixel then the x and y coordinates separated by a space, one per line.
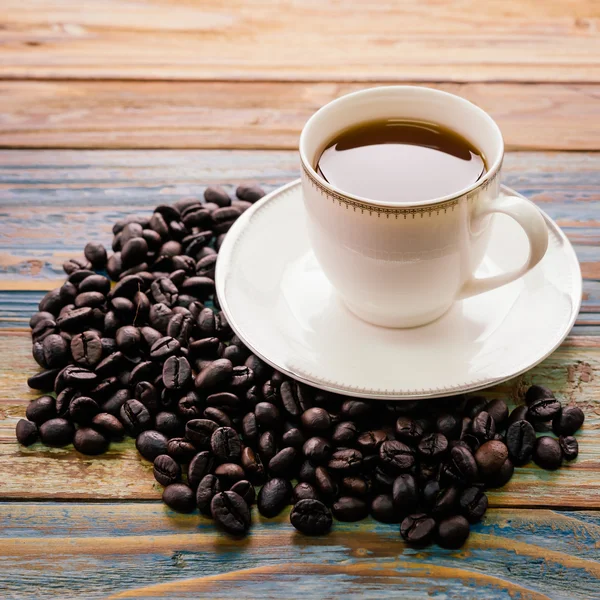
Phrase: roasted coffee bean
pixel 349 509
pixel 51 302
pixel 205 267
pixel 214 374
pixel 502 476
pixel 90 299
pixel 448 425
pixel 315 420
pixel 306 472
pixel 267 446
pixel 383 509
pixel 89 441
pixel 143 371
pixel 169 424
pixel 57 432
pixel 295 398
pixel 242 378
pixel 370 441
pixel 128 339
pixel 537 392
pixel 408 430
pixel 134 252
pixel 75 264
pixel 267 415
pixel 311 517
pixel 282 464
pixel 231 513
pixel 405 493
pixel 325 484
pixel 86 349
pixel 202 464
pixel 490 457
pixel 181 450
pixel 252 466
pixel 135 417
pixel 229 473
pixel 250 428
pixel 235 354
pixel 396 456
pixel 520 441
pixel 250 193
pixel 246 490
pixel 418 529
pixel 498 410
pixel 274 496
pixel 569 447
pixel 293 438
pixel 355 410
pixel 41 409
pixel 453 532
pixel 474 406
pixel 181 326
pixel 483 427
pixel 27 432
pixel 304 491
pixel 543 409
pixel 114 403
pixel 317 449
pixel 345 433
pixel 433 446
pixel 83 409
pixel 68 291
pixel 54 351
pixel 44 380
pixel 462 465
pixel 179 497
pixel 96 254
pixel 146 393
pixel 164 291
pixel 355 485
pixel 345 461
pixel 205 349
pixel 547 453
pixel 159 316
pixel 151 444
pixel 208 487
pixel 568 421
pixel 217 195
pixel 177 373
pixel 226 445
pixel 473 504
pixel 261 370
pixel 166 470
pixel 518 414
pixel 225 401
pixel 218 416
pixel 164 348
pixel 108 425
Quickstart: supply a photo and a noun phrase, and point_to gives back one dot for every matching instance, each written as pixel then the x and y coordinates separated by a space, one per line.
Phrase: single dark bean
pixel 83 409
pixel 293 438
pixel 181 450
pixel 490 457
pixel 317 449
pixel 207 489
pixel 177 373
pixel 164 348
pixel 179 497
pixel 569 447
pixel 252 466
pixel 462 465
pixel 498 410
pixel 547 453
pixel 229 473
pixel 453 532
pixel 345 461
pixel 473 504
pixel 433 446
pixel 518 414
pixel 75 264
pixel 166 470
pixel 57 432
pixel 325 483
pixel 345 433
pixel 483 427
pixel 151 444
pixel 449 425
pixel 349 509
pixel 537 392
pixel 135 417
pixel 405 493
pixel 108 425
pixel 370 441
pixel 311 517
pixel 568 421
pixel 520 441
pixel 27 432
pixel 246 490
pixel 267 415
pixel 274 496
pixel 41 409
pixel 383 509
pixel 503 476
pixel 114 403
pixel 216 373
pixel 55 351
pixel 44 380
pixel 90 299
pixel 283 463
pixel 315 420
pixel 304 491
pixel 231 513
pixel 226 445
pixel 417 529
pixel 89 441
pixel 355 485
pixel 218 416
pixel 543 409
pixel 445 502
pixel 159 316
pixel 202 464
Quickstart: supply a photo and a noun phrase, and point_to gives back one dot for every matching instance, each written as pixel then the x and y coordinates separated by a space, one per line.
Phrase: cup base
pixel 395 322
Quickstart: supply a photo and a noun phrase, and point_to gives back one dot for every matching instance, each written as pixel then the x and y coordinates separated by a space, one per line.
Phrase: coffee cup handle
pixel 526 214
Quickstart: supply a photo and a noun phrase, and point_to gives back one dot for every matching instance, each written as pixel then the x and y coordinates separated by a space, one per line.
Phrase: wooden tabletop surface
pixel 114 106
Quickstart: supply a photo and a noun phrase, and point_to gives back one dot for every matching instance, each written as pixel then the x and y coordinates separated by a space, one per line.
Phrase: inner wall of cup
pixel 420 104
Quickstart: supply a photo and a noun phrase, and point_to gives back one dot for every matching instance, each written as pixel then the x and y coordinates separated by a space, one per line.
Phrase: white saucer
pixel 281 305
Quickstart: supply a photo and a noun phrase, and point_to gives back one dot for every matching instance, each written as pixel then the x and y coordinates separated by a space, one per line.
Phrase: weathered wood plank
pixel 144 551
pixel 37 472
pixel 315 40
pixel 221 114
pixel 52 202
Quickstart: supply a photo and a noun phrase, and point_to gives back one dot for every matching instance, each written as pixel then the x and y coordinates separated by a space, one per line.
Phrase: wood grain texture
pixel 37 472
pixel 52 203
pixel 269 115
pixel 146 551
pixel 311 40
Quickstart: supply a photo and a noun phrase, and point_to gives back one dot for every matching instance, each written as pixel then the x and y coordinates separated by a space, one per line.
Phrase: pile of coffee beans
pixel 153 357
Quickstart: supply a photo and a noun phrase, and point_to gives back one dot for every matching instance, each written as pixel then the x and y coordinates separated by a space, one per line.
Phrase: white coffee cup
pixel 404 264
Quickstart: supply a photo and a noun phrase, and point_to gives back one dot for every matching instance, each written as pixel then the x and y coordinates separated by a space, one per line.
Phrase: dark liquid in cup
pixel 400 161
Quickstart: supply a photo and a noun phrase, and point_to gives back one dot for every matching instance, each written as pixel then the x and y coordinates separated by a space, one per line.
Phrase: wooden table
pixel 113 106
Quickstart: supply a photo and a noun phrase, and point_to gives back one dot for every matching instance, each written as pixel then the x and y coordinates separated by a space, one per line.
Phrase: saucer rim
pixel 220 277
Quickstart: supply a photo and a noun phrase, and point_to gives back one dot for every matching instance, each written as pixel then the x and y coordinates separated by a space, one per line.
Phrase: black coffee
pixel 400 161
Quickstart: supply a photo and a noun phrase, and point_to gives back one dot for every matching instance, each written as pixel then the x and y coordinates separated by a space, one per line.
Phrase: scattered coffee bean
pixel 543 409
pixel 418 529
pixel 569 447
pixel 274 496
pixel 57 432
pixel 547 453
pixel 383 509
pixel 27 432
pixel 473 504
pixel 208 487
pixel 347 508
pixel 453 532
pixel 230 512
pixel 568 421
pixel 166 470
pixel 151 444
pixel 89 441
pixel 490 457
pixel 520 441
pixel 179 497
pixel 311 517
pixel 41 409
